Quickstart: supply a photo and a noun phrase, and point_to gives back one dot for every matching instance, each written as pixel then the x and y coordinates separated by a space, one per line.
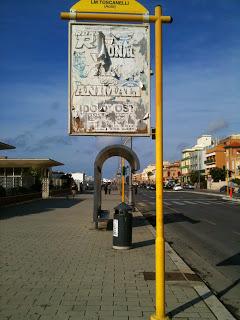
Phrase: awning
pixel 29 163
pixel 4 146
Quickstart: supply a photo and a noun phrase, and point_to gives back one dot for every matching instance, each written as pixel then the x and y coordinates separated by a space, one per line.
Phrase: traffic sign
pixel 111 6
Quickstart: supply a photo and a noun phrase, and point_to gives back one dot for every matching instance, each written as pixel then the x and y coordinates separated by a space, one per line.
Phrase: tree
pixel 149 174
pixel 194 177
pixel 218 174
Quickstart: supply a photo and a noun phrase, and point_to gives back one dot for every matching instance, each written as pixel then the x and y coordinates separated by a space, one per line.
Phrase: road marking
pixel 179 203
pixel 201 202
pixel 189 202
pixel 167 203
pixel 208 221
pixel 238 233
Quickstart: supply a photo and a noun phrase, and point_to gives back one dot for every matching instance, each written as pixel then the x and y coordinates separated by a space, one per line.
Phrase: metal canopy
pixel 5 146
pixel 27 163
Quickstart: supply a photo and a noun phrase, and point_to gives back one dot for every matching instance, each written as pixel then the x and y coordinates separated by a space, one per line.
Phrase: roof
pixel 5 146
pixel 27 163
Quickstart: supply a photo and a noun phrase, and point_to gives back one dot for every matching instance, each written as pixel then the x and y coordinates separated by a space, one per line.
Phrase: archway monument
pixel 106 153
pixel 106 100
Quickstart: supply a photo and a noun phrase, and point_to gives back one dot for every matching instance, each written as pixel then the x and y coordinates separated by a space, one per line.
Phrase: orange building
pixel 233 157
pixel 215 158
pixel 225 155
pixel 171 170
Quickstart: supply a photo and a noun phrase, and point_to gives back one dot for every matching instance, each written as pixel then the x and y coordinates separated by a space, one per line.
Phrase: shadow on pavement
pixel 37 207
pixel 178 217
pixel 224 291
pixel 139 222
pixel 170 218
pixel 143 244
pixel 232 261
pixel 189 304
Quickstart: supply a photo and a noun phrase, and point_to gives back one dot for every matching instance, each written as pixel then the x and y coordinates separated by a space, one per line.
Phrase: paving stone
pixel 56 268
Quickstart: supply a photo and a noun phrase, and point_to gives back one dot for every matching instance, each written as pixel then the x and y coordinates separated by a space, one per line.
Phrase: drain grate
pixel 173 276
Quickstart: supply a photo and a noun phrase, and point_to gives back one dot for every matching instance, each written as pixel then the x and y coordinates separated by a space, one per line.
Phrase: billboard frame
pixel 109 133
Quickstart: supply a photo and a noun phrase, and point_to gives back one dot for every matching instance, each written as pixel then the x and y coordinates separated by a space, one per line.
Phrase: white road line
pixel 189 202
pixel 179 203
pixel 210 222
pixel 201 202
pixel 238 233
pixel 167 203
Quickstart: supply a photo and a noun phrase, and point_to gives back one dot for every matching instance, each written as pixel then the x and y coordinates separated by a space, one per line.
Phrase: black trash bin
pixel 122 227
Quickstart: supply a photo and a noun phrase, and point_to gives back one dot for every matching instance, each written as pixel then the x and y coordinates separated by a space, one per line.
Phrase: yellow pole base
pixel 155 317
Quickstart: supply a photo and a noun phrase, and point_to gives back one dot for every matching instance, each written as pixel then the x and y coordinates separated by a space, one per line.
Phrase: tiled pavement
pixel 55 265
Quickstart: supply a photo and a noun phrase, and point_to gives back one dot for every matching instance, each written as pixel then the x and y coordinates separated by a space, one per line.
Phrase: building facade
pixel 194 159
pixel 171 171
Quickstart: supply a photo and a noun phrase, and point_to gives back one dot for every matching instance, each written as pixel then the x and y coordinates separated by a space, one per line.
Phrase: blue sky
pixel 201 81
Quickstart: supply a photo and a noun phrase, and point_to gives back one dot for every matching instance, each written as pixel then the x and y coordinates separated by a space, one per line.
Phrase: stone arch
pixel 106 153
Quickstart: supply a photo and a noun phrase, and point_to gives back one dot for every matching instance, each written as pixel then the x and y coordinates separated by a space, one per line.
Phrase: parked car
pixel 188 186
pixel 169 185
pixel 152 187
pixel 223 189
pixel 177 187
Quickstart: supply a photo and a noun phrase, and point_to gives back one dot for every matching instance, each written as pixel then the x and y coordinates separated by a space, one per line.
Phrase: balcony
pixel 210 161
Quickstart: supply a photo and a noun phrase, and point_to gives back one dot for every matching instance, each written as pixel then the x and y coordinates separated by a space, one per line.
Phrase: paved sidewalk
pixel 55 265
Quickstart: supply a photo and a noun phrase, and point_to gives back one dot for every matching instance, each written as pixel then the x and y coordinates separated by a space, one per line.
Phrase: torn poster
pixel 109 79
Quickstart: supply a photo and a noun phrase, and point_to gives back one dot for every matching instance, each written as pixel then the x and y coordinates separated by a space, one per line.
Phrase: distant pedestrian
pixel 136 187
pixel 109 188
pixel 74 190
pixel 105 188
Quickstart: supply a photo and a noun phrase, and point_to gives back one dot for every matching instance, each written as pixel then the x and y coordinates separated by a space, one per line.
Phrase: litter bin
pixel 122 227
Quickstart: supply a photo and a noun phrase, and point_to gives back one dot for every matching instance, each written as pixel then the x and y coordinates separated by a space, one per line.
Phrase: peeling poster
pixel 109 73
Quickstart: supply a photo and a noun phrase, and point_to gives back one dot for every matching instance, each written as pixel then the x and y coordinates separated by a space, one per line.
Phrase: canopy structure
pixel 5 146
pixel 28 163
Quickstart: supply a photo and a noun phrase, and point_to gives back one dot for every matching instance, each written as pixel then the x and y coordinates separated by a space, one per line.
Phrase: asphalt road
pixel 205 232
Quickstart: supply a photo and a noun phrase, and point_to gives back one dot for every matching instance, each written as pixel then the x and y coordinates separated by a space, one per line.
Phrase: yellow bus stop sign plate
pixel 111 6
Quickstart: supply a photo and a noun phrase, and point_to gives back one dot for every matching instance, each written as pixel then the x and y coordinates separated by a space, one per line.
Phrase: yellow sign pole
pixel 158 18
pixel 123 181
pixel 159 242
pixel 227 182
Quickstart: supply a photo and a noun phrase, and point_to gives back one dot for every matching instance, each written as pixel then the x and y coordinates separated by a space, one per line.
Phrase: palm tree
pixel 149 174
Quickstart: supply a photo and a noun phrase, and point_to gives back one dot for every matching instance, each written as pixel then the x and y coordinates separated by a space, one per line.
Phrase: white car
pixel 177 187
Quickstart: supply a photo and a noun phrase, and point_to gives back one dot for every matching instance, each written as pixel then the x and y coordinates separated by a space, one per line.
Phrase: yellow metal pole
pixel 227 183
pixel 123 182
pixel 159 242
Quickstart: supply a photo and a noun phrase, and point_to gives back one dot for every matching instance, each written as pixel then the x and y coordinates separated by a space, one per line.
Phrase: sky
pixel 201 72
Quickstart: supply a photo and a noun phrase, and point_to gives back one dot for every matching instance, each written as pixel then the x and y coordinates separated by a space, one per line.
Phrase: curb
pixel 216 306
pixel 215 195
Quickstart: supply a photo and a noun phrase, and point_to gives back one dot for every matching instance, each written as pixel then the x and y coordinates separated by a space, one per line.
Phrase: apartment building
pixel 171 170
pixel 149 174
pixel 232 153
pixel 226 154
pixel 193 159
